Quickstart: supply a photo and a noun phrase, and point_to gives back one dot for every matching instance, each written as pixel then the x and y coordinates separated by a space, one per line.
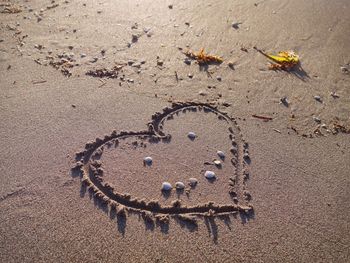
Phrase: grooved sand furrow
pixel 92 172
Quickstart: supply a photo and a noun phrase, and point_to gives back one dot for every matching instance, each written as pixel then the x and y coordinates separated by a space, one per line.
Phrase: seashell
pixel 179 185
pixel 148 160
pixel 209 175
pixel 192 181
pixel 221 154
pixel 166 186
pixel 191 135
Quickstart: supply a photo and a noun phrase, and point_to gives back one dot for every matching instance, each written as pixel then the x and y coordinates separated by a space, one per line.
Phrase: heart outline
pixel 122 202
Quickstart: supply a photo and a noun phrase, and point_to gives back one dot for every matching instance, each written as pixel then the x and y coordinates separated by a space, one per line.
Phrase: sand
pixel 299 162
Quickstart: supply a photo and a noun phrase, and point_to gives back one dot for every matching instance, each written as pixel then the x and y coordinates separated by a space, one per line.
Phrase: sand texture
pixel 88 89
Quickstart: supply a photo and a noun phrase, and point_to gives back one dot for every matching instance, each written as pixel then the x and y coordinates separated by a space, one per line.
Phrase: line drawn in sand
pixel 89 168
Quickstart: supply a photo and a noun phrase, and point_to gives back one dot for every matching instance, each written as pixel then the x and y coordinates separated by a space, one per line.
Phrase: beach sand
pixel 293 207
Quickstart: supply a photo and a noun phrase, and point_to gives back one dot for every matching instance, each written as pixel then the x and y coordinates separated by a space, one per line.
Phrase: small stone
pixel 219 78
pixel 148 161
pixel 284 101
pixel 246 156
pixel 187 61
pixel 318 98
pixel 131 80
pixel 209 175
pixel 344 70
pixel 221 154
pixel 191 135
pixel 235 25
pixel 217 162
pixel 160 62
pixel 202 93
pixel 179 185
pixel 82 55
pixel 334 95
pixel 170 6
pixel 192 182
pixel 316 119
pixel 166 186
pixel 231 65
pixel 190 75
pixel 134 38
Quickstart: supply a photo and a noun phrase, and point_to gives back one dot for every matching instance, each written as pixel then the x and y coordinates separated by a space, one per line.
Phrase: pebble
pixel 166 186
pixel 82 55
pixel 344 70
pixel 209 175
pixel 179 185
pixel 191 135
pixel 190 75
pixel 334 95
pixel 231 65
pixel 318 98
pixel 217 162
pixel 192 181
pixel 187 61
pixel 219 78
pixel 160 62
pixel 235 25
pixel 284 101
pixel 134 38
pixel 221 154
pixel 93 60
pixel 246 156
pixel 316 119
pixel 148 160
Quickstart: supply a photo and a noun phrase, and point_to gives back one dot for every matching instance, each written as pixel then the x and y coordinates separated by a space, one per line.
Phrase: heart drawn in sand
pixel 184 141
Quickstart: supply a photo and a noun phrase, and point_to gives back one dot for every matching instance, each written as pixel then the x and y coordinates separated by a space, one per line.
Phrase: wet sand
pixel 299 169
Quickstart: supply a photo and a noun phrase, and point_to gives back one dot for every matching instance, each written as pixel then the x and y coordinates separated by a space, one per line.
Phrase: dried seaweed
pixel 202 58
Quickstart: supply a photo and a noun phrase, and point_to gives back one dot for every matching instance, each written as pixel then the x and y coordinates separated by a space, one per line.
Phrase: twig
pixel 39 81
pixel 276 130
pixel 262 117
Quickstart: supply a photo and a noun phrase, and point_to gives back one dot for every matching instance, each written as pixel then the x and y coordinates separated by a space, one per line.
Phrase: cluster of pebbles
pixel 192 182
